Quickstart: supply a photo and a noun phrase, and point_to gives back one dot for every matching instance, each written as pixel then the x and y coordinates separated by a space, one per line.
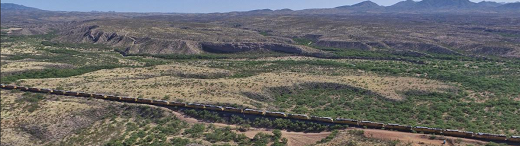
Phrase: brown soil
pixel 417 139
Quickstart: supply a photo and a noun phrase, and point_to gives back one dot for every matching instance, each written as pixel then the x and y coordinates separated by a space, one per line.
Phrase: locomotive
pixel 428 130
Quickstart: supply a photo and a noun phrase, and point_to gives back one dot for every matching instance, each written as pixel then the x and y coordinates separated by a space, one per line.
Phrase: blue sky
pixel 190 6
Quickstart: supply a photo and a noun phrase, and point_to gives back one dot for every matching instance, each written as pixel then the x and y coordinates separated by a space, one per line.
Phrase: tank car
pixel 233 109
pixel 275 114
pixel 371 124
pixel 458 133
pixel 214 108
pixel 254 112
pixel 323 119
pixel 196 105
pixel 398 127
pixel 515 139
pixel 346 121
pixel 179 104
pixel 299 116
pixel 488 136
pixel 161 102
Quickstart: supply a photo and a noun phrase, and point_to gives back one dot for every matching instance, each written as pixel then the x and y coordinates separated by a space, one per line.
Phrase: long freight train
pixel 389 126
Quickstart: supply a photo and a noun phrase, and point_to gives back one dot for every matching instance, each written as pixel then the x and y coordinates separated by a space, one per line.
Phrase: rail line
pixel 304 117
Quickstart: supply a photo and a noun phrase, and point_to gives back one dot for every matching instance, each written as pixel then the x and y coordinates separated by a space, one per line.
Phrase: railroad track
pixel 304 117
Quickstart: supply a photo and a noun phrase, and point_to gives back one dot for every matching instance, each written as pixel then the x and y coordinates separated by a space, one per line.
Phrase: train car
pixel 254 112
pixel 161 102
pixel 83 94
pixel 2 86
pixel 144 100
pixel 299 116
pixel 112 97
pixel 322 119
pixel 58 92
pixel 276 114
pixel 371 124
pixel 233 109
pixel 46 90
pixel 128 99
pixel 71 93
pixel 179 104
pixel 346 121
pixel 22 88
pixel 214 108
pixel 515 139
pixel 398 127
pixel 10 87
pixel 32 89
pixel 100 96
pixel 196 105
pixel 457 133
pixel 427 130
pixel 488 136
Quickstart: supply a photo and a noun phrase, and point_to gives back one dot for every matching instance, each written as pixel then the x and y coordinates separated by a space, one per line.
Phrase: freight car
pixel 83 94
pixel 32 89
pixel 100 96
pixel 214 108
pixel 46 90
pixel 276 114
pixel 161 102
pixel 22 88
pixel 128 99
pixel 488 136
pixel 111 97
pixel 371 124
pixel 299 116
pixel 346 121
pixel 457 133
pixel 10 87
pixel 234 110
pixel 179 104
pixel 58 92
pixel 71 93
pixel 196 105
pixel 398 127
pixel 515 139
pixel 144 100
pixel 323 119
pixel 254 112
pixel 427 130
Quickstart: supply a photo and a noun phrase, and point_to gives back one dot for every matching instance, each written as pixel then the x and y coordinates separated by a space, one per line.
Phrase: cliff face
pixel 148 45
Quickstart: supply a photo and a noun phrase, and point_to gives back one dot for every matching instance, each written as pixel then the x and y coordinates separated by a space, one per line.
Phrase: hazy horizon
pixel 192 6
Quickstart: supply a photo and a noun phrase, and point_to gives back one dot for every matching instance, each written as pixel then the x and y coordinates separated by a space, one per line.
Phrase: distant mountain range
pixel 11 6
pixel 426 6
pixel 408 6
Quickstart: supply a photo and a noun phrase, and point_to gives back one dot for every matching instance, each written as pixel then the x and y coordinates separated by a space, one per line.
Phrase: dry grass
pixel 164 80
pixel 29 65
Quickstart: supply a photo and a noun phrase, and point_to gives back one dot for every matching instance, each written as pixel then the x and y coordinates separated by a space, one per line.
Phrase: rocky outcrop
pixel 343 44
pixel 430 48
pixel 147 45
pixel 243 47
